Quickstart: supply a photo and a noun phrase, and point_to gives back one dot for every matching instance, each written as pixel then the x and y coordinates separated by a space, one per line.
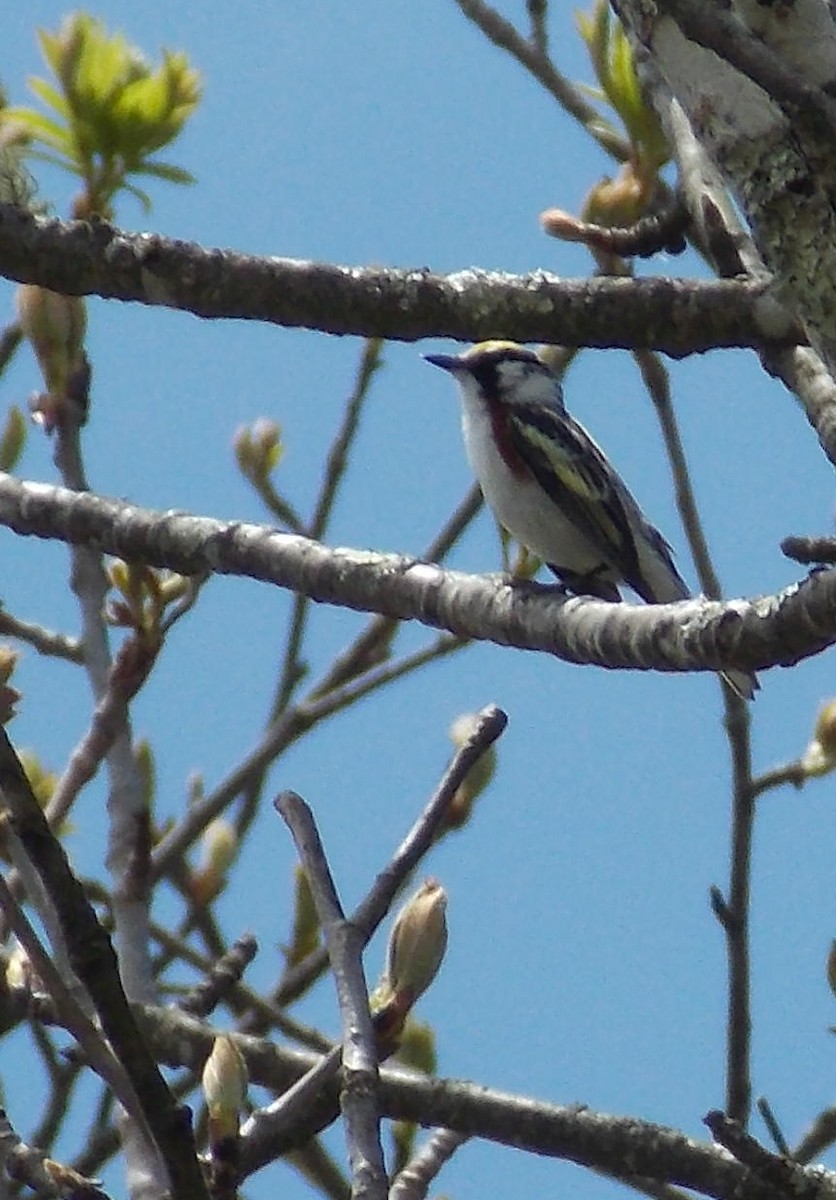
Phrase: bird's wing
pixel 573 471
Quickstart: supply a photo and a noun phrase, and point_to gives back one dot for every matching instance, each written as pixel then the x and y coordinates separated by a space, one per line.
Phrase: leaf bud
pixel 416 945
pixel 820 756
pixel 55 325
pixel 224 1083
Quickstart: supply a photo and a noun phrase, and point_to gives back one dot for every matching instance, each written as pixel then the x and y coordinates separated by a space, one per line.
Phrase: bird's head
pixel 501 372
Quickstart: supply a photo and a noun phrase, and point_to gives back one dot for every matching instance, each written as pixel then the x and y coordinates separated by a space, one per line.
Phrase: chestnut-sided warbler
pixel 552 488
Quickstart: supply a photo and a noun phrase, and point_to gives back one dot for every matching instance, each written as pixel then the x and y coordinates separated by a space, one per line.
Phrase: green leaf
pixel 39 128
pixel 116 109
pixel 12 439
pixel 166 171
pixel 56 160
pixel 50 95
pixel 143 197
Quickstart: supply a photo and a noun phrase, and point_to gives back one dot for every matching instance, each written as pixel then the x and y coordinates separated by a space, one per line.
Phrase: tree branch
pixel 751 85
pixel 676 316
pixel 571 1132
pixel 93 959
pixel 692 635
pixel 345 942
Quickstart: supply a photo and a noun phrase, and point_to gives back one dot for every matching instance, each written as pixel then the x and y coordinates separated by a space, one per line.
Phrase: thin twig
pixel 331 694
pixel 370 912
pixel 221 977
pixel 45 641
pixel 538 11
pixel 657 382
pixel 59 1106
pixel 790 772
pixel 109 740
pixel 93 960
pixel 335 467
pixel 268 1122
pixel 413 1182
pixel 278 505
pixel 296 721
pixel 736 927
pixel 819 1137
pixel 808 550
pixel 338 454
pixel 69 1012
pixel 244 999
pixel 29 1165
pixel 737 722
pixel 107 723
pixel 372 646
pixel 780 1174
pixel 775 1130
pixel 503 34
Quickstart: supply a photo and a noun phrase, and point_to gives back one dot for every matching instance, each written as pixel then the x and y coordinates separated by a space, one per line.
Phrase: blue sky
pixel 584 963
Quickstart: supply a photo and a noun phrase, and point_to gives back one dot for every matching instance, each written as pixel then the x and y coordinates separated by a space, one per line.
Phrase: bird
pixel 552 487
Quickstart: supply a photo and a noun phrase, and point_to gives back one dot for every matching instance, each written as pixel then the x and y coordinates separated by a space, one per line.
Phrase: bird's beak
pixel 447 362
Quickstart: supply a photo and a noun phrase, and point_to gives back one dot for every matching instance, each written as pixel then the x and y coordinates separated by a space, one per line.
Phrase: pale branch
pixel 756 86
pixel 676 316
pixel 570 1132
pixel 719 233
pixel 692 635
pixel 413 1182
pixel 489 725
pixel 45 641
pixel 345 943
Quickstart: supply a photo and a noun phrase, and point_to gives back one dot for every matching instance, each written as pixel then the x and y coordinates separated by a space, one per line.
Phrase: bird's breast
pixel 517 500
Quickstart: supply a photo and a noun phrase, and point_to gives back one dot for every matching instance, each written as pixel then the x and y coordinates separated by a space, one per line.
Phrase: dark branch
pixel 676 316
pixel 93 959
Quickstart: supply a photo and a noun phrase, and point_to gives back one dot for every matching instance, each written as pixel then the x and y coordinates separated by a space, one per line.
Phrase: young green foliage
pixel 109 112
pixel 612 60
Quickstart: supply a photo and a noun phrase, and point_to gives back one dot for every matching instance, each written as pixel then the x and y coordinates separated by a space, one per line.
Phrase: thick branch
pixel 676 316
pixel 570 1132
pixel 756 86
pixel 693 635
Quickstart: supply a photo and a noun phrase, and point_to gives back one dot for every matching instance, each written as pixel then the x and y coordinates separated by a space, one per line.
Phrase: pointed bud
pixel 477 778
pixel 224 1083
pixel 820 756
pixel 220 845
pixel 258 448
pixel 831 968
pixel 417 944
pixel 219 848
pixel 55 325
pixel 12 439
pixel 19 974
pixel 305 935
